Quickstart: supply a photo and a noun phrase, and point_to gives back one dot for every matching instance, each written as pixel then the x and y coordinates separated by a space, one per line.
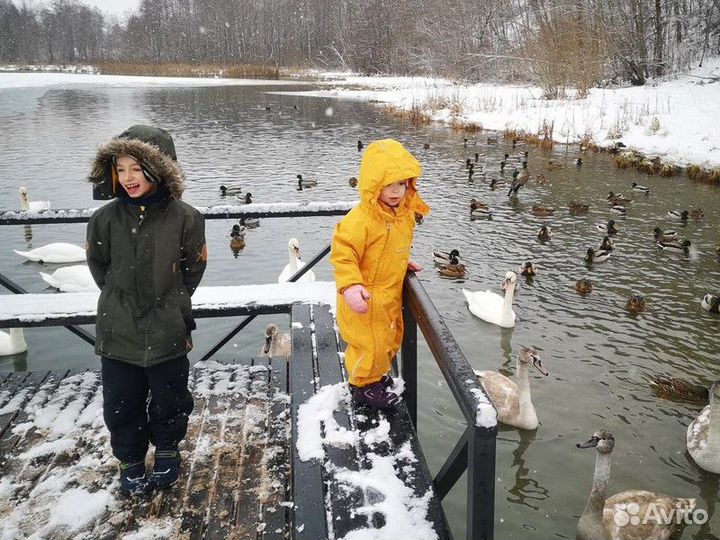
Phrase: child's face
pixel 131 177
pixel 393 194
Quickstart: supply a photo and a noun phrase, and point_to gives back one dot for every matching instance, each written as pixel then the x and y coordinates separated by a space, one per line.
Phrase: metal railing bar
pixel 454 366
pixel 17 289
pixel 453 468
pixel 247 320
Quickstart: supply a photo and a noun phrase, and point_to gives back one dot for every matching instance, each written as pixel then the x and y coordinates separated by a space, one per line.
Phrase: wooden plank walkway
pixel 349 487
pixel 242 475
pixel 55 456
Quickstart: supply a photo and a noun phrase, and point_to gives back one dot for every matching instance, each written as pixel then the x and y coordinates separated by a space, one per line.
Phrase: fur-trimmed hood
pixel 155 151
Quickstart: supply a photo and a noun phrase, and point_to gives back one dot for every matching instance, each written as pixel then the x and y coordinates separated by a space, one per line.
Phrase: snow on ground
pixel 674 118
pixel 385 493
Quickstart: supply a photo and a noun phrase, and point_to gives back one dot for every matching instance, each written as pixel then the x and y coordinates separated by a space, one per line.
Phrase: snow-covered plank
pixel 309 518
pixel 220 211
pixel 60 479
pixel 25 310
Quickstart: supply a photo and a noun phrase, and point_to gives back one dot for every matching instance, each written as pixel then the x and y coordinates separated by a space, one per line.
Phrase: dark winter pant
pixel 142 405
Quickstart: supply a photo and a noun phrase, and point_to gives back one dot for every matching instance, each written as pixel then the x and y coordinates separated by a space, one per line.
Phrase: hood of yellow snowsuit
pixel 371 246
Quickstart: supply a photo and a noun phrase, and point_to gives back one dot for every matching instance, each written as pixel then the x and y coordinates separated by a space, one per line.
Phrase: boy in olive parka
pixel 146 251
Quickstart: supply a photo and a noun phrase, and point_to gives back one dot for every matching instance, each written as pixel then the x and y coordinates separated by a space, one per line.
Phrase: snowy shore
pixel 675 118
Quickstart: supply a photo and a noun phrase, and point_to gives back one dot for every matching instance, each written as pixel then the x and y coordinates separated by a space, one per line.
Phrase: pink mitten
pixel 355 297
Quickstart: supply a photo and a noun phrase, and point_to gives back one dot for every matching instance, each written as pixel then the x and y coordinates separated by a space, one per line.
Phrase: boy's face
pixel 131 177
pixel 393 194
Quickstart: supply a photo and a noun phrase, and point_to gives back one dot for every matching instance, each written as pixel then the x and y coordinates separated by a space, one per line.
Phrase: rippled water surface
pixel 599 356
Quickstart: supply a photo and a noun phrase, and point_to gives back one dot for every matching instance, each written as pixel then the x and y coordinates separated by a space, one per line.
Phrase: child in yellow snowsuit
pixel 371 254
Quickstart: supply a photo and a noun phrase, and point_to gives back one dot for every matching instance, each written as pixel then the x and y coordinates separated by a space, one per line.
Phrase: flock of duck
pixel 601 517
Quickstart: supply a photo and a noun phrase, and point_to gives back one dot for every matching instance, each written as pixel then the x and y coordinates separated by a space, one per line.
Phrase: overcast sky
pixel 114 7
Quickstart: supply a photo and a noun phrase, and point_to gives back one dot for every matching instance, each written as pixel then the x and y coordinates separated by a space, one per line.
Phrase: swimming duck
pixel 276 344
pixel 516 183
pixel 604 517
pixel 554 164
pixel 495 183
pixel 527 269
pixel 305 183
pixel 426 146
pixel 453 269
pixel 711 303
pixel 491 307
pixel 468 163
pixel 703 434
pixel 583 286
pixel 224 190
pixel 544 233
pixel 675 247
pixel 542 211
pixel 697 213
pixel 352 182
pixel 577 208
pixel 599 255
pixel 471 171
pixel 578 162
pixel 76 278
pixel 58 252
pixel 617 199
pixel 640 189
pixel 677 214
pixel 444 257
pixel 476 207
pixel 31 206
pixel 247 198
pixel 511 398
pixel 237 238
pixel 617 209
pixel 295 264
pixel 12 343
pixel 524 174
pixel 477 157
pixel 635 304
pixel 667 235
pixel 606 244
pixel 249 222
pixel 608 228
pixel 359 146
pixel 678 388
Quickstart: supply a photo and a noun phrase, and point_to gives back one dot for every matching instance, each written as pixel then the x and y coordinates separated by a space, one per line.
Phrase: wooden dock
pixel 241 475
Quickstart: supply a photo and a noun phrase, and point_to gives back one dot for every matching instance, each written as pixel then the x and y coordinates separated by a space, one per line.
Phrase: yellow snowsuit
pixel 371 247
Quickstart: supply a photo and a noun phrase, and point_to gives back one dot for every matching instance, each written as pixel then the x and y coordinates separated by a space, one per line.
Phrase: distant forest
pixel 556 42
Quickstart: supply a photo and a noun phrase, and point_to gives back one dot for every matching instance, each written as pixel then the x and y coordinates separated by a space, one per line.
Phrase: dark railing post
pixel 408 356
pixel 480 483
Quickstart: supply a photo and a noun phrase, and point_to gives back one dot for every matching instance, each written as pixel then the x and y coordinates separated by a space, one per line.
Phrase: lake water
pixel 599 356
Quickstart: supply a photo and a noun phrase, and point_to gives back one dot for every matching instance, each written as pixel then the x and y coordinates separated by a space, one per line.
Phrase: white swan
pixel 512 398
pixel 59 252
pixel 492 307
pixel 75 278
pixel 703 434
pixel 295 264
pixel 12 343
pixel 276 344
pixel 32 206
pixel 606 518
